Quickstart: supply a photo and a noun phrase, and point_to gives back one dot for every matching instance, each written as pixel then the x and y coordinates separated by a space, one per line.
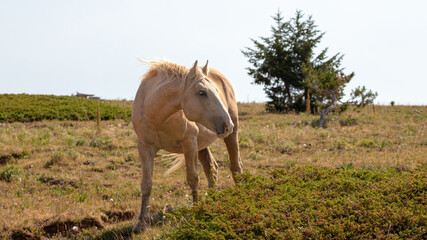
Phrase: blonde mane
pixel 170 68
pixel 173 72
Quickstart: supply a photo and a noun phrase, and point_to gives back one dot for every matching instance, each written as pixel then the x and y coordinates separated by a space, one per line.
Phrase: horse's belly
pixel 174 131
pixel 205 138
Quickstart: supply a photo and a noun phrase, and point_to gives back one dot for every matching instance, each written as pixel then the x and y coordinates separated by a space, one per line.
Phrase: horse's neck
pixel 162 105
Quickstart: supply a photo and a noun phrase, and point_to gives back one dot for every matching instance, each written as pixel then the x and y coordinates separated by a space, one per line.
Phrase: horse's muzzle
pixel 225 129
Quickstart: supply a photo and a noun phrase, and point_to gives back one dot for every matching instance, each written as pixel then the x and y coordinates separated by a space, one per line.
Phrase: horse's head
pixel 202 103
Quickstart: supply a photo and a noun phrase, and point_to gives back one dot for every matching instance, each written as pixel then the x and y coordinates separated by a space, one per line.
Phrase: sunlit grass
pixel 59 171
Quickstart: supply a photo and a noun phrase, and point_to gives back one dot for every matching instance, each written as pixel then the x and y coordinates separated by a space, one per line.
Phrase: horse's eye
pixel 202 93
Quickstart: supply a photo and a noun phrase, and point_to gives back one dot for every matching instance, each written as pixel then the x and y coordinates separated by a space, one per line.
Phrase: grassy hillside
pixel 27 108
pixel 363 175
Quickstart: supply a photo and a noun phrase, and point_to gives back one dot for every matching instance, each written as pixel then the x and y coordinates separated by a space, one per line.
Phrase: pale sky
pixel 60 47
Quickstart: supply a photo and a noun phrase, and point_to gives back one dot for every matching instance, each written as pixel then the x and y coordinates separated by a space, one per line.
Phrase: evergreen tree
pixel 362 96
pixel 286 65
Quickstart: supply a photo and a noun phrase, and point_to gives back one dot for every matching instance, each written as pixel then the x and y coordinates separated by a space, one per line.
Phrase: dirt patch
pixel 56 181
pixel 89 163
pixel 20 155
pixel 5 158
pixel 70 227
pixel 117 216
pixel 67 227
pixel 37 125
pixel 23 235
pixel 68 124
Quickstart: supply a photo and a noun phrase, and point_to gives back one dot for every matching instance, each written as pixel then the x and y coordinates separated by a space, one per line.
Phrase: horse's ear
pixel 205 69
pixel 193 69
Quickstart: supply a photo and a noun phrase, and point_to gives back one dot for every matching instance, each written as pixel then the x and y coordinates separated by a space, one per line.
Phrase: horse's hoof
pixel 139 227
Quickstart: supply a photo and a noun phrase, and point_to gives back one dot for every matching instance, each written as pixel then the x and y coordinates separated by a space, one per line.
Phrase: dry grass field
pixel 66 179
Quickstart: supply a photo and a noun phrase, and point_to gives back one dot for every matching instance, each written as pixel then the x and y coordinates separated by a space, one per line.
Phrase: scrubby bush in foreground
pixel 310 203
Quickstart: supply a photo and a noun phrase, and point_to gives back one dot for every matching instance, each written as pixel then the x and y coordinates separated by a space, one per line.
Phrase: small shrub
pixel 258 137
pixel 73 154
pixel 286 147
pixel 111 167
pixel 80 197
pixel 348 121
pixel 299 124
pixel 342 107
pixel 383 144
pixel 80 142
pixel 366 143
pixel 392 103
pixel 101 142
pixel 315 123
pixel 245 141
pixel 255 156
pixel 341 144
pixel 410 130
pixel 21 137
pixel 291 163
pixel 347 166
pixel 70 141
pixel 56 158
pixel 42 139
pixel 10 173
pixel 105 154
pixel 130 158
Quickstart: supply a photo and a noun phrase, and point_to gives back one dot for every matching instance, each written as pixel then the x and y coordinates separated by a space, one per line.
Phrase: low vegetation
pixel 364 175
pixel 28 108
pixel 310 203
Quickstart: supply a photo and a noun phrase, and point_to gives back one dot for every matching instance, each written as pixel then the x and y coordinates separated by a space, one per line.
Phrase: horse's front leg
pixel 232 143
pixel 191 156
pixel 146 155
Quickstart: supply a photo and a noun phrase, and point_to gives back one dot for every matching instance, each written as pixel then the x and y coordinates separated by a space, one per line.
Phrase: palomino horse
pixel 183 110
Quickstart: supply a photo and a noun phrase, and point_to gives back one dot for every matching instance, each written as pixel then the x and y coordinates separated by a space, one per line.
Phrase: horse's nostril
pixel 228 127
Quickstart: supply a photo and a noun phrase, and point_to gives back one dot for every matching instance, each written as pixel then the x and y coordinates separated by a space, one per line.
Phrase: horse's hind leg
pixel 232 143
pixel 146 155
pixel 209 166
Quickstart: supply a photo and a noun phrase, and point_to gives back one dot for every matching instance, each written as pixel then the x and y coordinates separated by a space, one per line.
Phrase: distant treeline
pixel 27 108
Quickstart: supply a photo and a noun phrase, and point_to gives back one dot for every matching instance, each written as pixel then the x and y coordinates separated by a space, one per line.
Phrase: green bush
pixel 310 203
pixel 343 107
pixel 27 108
pixel 367 143
pixel 348 121
pixel 101 142
pixel 56 158
pixel 10 173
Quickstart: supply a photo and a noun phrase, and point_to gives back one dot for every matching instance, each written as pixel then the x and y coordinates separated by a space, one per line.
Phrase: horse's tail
pixel 177 163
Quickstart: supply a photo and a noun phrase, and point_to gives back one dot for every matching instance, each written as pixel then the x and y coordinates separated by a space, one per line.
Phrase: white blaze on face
pixel 229 123
pixel 215 91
